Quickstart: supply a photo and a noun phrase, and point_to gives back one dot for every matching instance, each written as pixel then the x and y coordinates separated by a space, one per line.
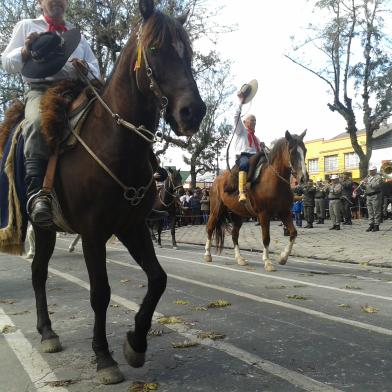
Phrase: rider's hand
pixel 26 50
pixel 81 65
pixel 241 96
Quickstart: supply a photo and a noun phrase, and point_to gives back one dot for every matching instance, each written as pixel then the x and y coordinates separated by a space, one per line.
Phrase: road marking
pixel 33 363
pixel 292 377
pixel 256 298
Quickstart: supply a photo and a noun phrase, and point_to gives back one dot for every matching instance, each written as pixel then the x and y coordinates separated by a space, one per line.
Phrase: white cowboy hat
pixel 372 167
pixel 249 90
pixel 334 177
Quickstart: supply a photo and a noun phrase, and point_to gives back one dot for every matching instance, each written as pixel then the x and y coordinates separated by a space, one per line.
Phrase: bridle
pixel 168 191
pixel 292 172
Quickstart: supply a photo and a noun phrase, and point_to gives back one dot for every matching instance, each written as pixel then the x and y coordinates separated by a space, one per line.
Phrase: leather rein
pixel 169 192
pixel 131 194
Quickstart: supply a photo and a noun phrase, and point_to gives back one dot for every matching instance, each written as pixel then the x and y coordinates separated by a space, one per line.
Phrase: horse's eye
pixel 153 49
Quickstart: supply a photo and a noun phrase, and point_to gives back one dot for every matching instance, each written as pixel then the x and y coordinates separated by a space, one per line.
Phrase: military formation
pixel 337 196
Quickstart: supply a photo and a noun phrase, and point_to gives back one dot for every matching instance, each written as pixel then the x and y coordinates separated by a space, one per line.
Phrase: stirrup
pixel 242 198
pixel 39 208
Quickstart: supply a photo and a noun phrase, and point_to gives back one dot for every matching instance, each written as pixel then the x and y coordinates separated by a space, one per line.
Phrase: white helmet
pixel 372 167
pixel 334 177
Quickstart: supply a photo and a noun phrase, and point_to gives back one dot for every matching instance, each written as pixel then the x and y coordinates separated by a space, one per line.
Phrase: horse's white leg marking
pixel 207 255
pixel 267 262
pixel 240 260
pixel 31 241
pixel 286 253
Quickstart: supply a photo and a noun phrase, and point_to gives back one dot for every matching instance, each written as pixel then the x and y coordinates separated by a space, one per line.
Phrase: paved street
pixel 313 325
pixel 352 244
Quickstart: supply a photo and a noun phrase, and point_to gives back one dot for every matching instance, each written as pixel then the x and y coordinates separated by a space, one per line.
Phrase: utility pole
pixel 217 160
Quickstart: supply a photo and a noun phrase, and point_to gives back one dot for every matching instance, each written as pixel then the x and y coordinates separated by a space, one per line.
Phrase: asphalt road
pixel 306 327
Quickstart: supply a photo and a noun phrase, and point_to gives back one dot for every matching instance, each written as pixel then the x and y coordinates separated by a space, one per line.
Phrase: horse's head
pixel 165 50
pixel 176 179
pixel 297 154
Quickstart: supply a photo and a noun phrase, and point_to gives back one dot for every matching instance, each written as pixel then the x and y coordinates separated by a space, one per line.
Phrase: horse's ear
pixel 302 135
pixel 170 169
pixel 182 18
pixel 288 136
pixel 146 8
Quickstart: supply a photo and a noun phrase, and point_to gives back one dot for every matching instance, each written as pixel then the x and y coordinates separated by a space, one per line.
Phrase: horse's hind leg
pixel 71 248
pixel 173 229
pixel 44 245
pixel 159 231
pixel 264 220
pixel 288 222
pixel 237 223
pixel 95 256
pixel 138 242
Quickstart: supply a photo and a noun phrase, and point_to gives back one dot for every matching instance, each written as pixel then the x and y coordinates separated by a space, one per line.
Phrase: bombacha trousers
pixel 373 204
pixel 335 208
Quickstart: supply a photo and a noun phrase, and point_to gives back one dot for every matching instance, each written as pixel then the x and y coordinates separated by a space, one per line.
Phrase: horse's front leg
pixel 94 250
pixel 237 223
pixel 139 244
pixel 173 229
pixel 159 231
pixel 264 220
pixel 288 222
pixel 44 245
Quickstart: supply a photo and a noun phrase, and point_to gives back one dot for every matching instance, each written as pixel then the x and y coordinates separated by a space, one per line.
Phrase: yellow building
pixel 333 156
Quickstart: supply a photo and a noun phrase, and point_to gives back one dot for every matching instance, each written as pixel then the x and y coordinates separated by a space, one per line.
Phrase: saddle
pixel 256 164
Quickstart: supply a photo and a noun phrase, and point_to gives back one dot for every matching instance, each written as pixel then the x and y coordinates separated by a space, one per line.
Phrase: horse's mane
pixel 278 148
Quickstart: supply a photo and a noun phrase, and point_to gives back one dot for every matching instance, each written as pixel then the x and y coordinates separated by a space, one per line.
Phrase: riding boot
pixel 370 228
pixel 375 228
pixel 241 186
pixel 39 204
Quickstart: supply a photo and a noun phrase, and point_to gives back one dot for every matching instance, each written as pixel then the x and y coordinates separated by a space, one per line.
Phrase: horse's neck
pixel 281 163
pixel 167 191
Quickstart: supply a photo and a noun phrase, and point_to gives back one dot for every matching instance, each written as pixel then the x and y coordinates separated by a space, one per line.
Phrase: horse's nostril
pixel 186 113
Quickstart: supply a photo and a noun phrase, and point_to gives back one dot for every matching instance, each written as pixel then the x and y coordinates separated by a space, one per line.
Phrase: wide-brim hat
pixel 334 177
pixel 49 53
pixel 372 167
pixel 249 90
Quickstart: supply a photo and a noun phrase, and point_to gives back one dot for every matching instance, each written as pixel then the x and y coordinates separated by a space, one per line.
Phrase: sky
pixel 289 97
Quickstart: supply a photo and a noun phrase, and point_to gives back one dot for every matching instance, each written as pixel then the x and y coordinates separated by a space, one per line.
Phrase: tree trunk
pixel 193 176
pixel 363 166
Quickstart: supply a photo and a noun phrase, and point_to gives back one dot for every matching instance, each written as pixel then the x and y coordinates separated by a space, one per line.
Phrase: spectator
pixel 195 207
pixel 309 191
pixel 205 205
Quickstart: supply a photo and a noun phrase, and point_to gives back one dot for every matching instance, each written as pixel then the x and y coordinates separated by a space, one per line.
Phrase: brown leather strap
pixel 51 171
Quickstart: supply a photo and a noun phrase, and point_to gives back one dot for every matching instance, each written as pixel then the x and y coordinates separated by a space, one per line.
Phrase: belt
pixel 334 198
pixel 373 193
pixel 318 198
pixel 40 86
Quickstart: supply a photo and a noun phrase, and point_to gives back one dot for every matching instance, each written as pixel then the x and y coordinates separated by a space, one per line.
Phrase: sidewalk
pixel 349 245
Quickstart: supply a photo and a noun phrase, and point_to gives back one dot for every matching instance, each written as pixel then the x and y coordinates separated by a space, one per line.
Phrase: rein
pixel 174 196
pixel 274 170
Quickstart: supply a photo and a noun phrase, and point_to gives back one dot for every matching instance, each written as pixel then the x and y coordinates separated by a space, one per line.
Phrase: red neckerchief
pixel 252 139
pixel 53 26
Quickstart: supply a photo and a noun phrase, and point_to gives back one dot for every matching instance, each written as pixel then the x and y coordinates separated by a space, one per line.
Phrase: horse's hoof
pixel 241 261
pixel 29 255
pixel 269 267
pixel 283 259
pixel 208 258
pixel 160 246
pixel 133 358
pixel 71 249
pixel 52 345
pixel 110 375
pixel 175 247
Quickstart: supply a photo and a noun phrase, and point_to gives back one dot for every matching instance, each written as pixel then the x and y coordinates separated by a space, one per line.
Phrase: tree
pixel 357 65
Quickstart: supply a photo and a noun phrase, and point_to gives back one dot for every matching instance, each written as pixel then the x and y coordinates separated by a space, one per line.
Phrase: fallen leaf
pixel 7 301
pixel 8 329
pixel 364 263
pixel 210 335
pixel 181 302
pixel 139 386
pixel 220 303
pixel 19 313
pixel 344 306
pixel 369 309
pixel 141 286
pixel 296 296
pixel 125 280
pixel 60 383
pixel 155 332
pixel 351 287
pixel 170 320
pixel 297 286
pixel 200 308
pixel 184 344
pixel 114 305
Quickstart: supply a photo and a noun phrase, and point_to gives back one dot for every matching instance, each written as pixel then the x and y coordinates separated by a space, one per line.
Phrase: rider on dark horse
pixel 246 143
pixel 44 51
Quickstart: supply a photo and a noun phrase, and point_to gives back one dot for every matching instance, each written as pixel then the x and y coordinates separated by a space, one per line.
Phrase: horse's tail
pixel 12 116
pixel 221 223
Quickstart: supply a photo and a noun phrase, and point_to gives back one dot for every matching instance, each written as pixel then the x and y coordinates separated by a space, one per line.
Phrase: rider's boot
pixel 39 204
pixel 242 178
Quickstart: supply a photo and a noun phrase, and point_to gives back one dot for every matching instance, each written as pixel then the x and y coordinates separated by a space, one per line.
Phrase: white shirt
pixel 241 141
pixel 12 56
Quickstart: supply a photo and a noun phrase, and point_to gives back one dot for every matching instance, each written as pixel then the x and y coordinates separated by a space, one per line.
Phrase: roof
pixel 384 129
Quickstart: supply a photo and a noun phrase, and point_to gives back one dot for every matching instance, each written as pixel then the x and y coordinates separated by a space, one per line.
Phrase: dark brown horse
pixel 168 200
pixel 95 205
pixel 270 196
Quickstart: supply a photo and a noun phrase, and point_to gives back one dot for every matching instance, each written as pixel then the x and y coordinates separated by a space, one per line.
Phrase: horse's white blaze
pixel 180 48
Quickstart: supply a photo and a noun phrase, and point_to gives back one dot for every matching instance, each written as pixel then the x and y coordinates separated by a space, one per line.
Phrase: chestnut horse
pixel 168 200
pixel 95 204
pixel 270 196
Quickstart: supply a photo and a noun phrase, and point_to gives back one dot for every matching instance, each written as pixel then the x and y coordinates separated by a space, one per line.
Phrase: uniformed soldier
pixel 347 190
pixel 373 183
pixel 309 191
pixel 335 204
pixel 319 198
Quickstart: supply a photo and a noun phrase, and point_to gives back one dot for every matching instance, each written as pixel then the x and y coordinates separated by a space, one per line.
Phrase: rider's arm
pixel 239 126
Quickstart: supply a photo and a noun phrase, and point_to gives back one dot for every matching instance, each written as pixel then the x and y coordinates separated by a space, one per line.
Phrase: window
pixel 351 160
pixel 313 166
pixel 331 163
